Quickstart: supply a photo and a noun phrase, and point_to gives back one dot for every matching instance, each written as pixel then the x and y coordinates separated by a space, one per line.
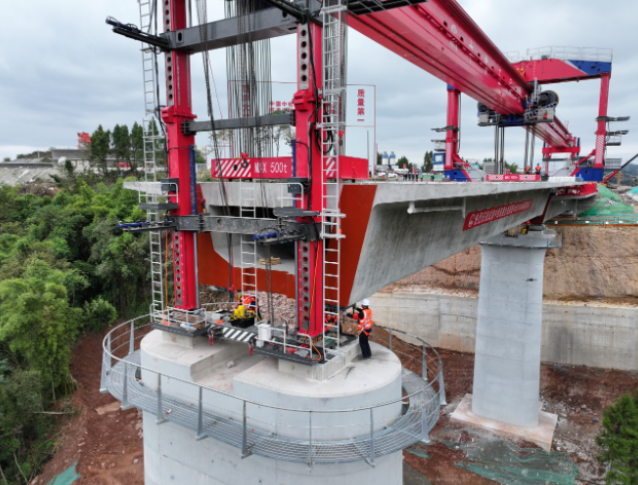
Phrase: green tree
pixel 100 146
pixel 137 147
pixel 121 143
pixel 37 322
pixel 403 162
pixel 115 138
pixel 21 422
pixel 64 268
pixel 618 441
pixel 379 158
pixel 428 162
pixel 160 152
pixel 100 313
pixel 199 156
pixel 513 167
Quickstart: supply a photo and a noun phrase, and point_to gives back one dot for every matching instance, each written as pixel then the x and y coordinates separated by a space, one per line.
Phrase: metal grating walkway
pixel 420 413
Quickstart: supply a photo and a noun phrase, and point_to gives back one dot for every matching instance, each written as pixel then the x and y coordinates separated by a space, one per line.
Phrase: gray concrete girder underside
pixel 398 243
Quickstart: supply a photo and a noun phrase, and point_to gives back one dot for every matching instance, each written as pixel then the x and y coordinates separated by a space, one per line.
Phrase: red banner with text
pixel 478 218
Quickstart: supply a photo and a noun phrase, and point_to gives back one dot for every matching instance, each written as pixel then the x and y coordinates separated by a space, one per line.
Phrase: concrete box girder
pixel 396 243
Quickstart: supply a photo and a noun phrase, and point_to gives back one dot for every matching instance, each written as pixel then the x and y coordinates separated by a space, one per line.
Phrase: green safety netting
pixel 415 450
pixel 503 462
pixel 608 204
pixel 67 477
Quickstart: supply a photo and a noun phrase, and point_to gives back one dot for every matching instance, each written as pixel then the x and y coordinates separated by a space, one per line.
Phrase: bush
pixel 65 268
pixel 618 440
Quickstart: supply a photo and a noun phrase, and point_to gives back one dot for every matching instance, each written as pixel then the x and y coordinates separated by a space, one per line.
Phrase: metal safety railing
pixel 564 53
pixel 618 220
pixel 311 436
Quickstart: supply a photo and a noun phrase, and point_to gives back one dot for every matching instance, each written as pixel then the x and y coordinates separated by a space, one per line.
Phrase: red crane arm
pixel 555 134
pixel 441 38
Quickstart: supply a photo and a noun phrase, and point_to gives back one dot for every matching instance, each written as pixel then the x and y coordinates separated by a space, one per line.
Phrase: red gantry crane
pixel 436 35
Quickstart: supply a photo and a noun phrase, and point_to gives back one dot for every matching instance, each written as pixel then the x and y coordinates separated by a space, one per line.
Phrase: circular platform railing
pixel 319 436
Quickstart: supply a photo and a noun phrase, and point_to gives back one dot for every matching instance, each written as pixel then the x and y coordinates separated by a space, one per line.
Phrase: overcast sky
pixel 63 71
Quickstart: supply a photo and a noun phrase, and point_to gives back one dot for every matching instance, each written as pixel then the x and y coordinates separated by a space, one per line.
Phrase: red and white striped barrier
pixel 281 168
pixel 239 168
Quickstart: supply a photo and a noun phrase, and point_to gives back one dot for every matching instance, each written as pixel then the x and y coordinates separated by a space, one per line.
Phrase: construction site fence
pixel 311 436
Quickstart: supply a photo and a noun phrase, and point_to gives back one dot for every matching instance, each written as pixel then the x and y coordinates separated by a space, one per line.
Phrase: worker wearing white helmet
pixel 365 326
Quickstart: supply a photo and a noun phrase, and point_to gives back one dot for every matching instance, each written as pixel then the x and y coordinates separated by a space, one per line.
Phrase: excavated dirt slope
pixel 594 261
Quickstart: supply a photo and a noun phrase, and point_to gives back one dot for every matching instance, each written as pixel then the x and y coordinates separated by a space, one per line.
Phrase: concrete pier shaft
pixel 279 397
pixel 508 337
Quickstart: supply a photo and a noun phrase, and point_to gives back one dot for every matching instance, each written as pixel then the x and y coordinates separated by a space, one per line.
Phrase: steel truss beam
pixel 260 25
pixel 192 127
pixel 288 230
pixel 240 225
pixel 263 24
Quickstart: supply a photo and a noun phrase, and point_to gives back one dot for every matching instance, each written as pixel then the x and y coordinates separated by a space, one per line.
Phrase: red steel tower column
pixel 179 109
pixel 452 137
pixel 309 165
pixel 601 132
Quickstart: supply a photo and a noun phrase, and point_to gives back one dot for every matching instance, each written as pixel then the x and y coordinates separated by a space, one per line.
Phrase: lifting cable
pixel 248 63
pixel 202 20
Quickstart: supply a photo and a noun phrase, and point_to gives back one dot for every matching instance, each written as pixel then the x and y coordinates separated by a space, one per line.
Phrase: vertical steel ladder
pixel 247 245
pixel 152 142
pixel 332 129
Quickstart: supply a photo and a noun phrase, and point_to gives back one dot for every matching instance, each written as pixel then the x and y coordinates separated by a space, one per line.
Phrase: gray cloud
pixel 63 71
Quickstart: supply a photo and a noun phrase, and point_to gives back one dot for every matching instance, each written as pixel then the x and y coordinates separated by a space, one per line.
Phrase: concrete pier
pixel 278 397
pixel 508 336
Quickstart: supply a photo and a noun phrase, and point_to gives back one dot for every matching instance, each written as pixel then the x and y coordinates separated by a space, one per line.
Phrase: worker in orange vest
pixel 538 169
pixel 528 170
pixel 249 302
pixel 331 323
pixel 365 326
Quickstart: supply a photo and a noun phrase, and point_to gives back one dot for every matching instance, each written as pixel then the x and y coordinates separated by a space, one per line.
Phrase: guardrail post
pixel 125 404
pixel 424 365
pixel 200 417
pixel 310 463
pixel 442 400
pixel 371 459
pixel 131 344
pixel 244 437
pixel 425 434
pixel 160 412
pixel 390 339
pixel 106 365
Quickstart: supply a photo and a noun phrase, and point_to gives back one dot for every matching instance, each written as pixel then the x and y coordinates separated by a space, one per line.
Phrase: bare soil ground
pixel 576 394
pixel 594 262
pixel 39 188
pixel 109 448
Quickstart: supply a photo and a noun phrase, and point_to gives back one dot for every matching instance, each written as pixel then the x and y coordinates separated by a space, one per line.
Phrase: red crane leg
pixel 452 137
pixel 179 109
pixel 601 132
pixel 309 254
